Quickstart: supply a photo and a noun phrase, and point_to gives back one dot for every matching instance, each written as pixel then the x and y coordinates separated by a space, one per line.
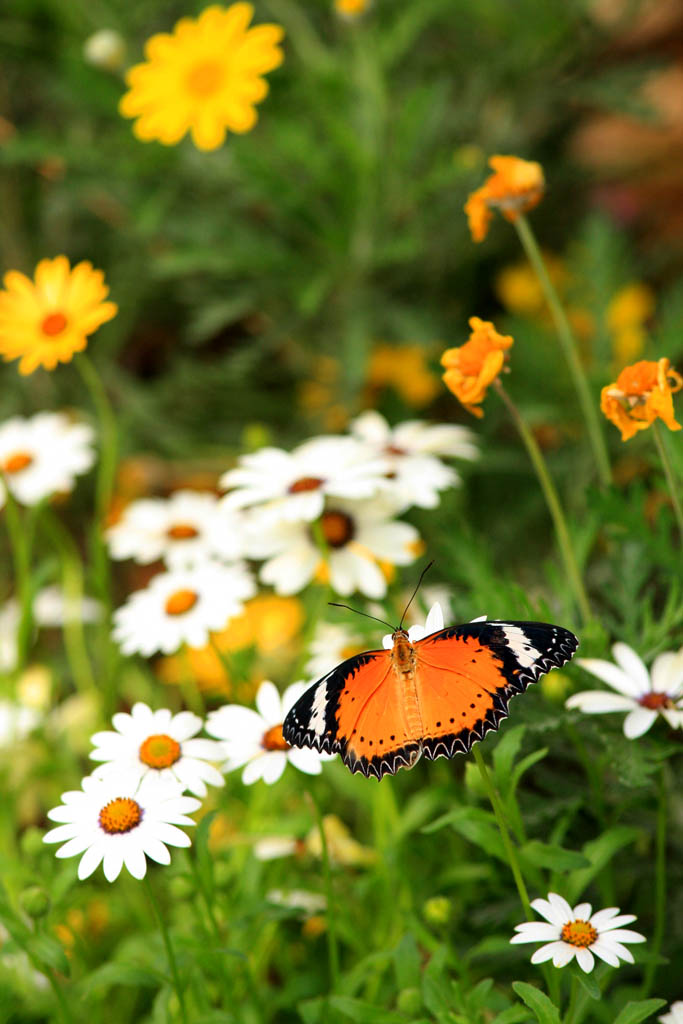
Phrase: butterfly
pixel 382 710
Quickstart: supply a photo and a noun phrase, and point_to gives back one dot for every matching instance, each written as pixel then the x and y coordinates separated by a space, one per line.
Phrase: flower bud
pixel 437 910
pixel 105 49
pixel 34 901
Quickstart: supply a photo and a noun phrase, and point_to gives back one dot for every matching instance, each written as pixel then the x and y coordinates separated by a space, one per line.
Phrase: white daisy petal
pixel 624 935
pixel 638 722
pixel 547 952
pixel 254 770
pixel 306 760
pixel 622 951
pixel 90 861
pixel 113 862
pixel 633 665
pixel 536 931
pixel 596 702
pixel 582 911
pixel 561 906
pixel 273 766
pixel 42 455
pixel 603 950
pixel 269 704
pixel 585 960
pixel 613 676
pixel 614 920
pixel 549 912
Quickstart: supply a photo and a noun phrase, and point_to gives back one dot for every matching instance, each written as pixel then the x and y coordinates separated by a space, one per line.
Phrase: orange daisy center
pixel 305 483
pixel 159 751
pixel 182 531
pixel 656 701
pixel 579 933
pixel 53 324
pixel 120 815
pixel 274 740
pixel 181 601
pixel 16 462
pixel 205 78
pixel 337 527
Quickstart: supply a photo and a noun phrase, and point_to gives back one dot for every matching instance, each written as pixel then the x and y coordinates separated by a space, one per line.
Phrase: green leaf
pixel 504 755
pixel 544 855
pixel 633 1013
pixel 48 952
pixel 523 766
pixel 588 982
pixel 407 963
pixel 476 825
pixel 513 1015
pixel 312 1010
pixel 544 1009
pixel 108 975
pixel 204 858
pixel 362 1012
pixel 437 994
pixel 599 852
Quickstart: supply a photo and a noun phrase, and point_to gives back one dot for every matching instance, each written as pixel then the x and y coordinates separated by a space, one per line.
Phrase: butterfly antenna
pixel 422 575
pixel 334 604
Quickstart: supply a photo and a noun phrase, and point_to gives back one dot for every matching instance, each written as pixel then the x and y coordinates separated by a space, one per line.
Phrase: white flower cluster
pixel 42 455
pixel 326 510
pixel 132 804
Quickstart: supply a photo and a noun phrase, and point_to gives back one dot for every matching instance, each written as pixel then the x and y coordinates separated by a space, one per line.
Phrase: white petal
pixel 601 917
pixel 547 952
pixel 269 704
pixel 563 955
pixel 560 904
pixel 549 912
pixel 76 845
pixel 113 862
pixel 585 959
pixel 623 952
pixel 156 850
pixel 305 760
pixel 582 911
pixel 632 664
pixel 613 676
pixel 273 767
pixel 134 859
pixel 536 931
pixel 623 935
pixel 638 722
pixel 602 949
pixel 616 920
pixel 254 770
pixel 596 702
pixel 90 860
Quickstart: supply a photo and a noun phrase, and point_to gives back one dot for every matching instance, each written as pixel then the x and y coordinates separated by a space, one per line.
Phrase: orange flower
pixel 472 367
pixel 515 187
pixel 640 395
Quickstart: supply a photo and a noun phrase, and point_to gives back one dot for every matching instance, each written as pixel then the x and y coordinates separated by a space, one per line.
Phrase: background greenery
pixel 254 285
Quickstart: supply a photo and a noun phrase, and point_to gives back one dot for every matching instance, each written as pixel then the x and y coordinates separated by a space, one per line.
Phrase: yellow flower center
pixel 579 933
pixel 16 462
pixel 305 483
pixel 120 815
pixel 53 324
pixel 182 531
pixel 656 701
pixel 181 601
pixel 159 751
pixel 274 740
pixel 205 78
pixel 337 528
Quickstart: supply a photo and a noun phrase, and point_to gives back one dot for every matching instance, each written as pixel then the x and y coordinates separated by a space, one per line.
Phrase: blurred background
pixel 322 262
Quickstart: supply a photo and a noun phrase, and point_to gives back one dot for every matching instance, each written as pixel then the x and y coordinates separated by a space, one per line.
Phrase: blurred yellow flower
pixel 518 289
pixel 204 78
pixel 351 8
pixel 627 315
pixel 471 368
pixel 342 848
pixel 45 321
pixel 404 368
pixel 640 395
pixel 515 187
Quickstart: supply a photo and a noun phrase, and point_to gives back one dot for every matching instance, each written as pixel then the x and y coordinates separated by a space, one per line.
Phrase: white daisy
pixel 357 535
pixel 433 623
pixel 121 820
pixel 254 739
pixel 298 899
pixel 645 695
pixel 575 933
pixel 331 644
pixel 9 626
pixel 416 475
pixel 187 528
pixel 675 1014
pixel 42 455
pixel 290 486
pixel 158 743
pixel 181 606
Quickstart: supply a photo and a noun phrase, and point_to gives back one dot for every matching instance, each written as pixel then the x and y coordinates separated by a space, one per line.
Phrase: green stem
pixel 660 884
pixel 674 490
pixel 106 472
pixel 499 812
pixel 569 347
pixel 72 585
pixel 20 538
pixel 553 503
pixel 332 946
pixel 169 949
pixel 573 1002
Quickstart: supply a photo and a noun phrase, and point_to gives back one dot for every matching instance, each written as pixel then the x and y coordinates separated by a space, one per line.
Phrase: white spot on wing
pixel 317 722
pixel 521 646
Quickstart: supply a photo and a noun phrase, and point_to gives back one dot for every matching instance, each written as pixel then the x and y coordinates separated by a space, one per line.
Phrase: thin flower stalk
pixel 20 533
pixel 332 946
pixel 553 503
pixel 660 882
pixel 674 488
pixel 170 954
pixel 569 347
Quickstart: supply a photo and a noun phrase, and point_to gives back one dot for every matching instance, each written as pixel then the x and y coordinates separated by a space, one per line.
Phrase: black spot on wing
pixel 461 742
pixel 297 729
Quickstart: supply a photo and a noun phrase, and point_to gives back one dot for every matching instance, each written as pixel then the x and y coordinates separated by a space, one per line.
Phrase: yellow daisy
pixel 44 321
pixel 204 78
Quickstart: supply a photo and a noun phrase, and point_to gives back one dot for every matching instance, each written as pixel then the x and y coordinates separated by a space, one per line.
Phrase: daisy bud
pixel 437 910
pixel 35 902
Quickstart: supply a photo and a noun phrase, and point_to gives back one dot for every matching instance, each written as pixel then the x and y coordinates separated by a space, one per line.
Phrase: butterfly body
pixel 382 710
